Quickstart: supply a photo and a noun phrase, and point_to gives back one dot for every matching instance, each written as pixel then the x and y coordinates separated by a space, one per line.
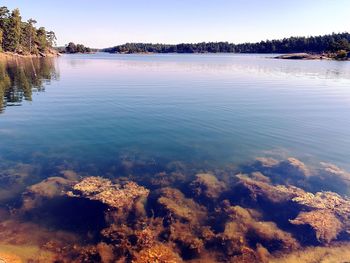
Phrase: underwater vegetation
pixel 267 210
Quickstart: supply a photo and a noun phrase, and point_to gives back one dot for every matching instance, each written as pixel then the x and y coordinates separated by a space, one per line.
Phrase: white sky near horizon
pixel 107 23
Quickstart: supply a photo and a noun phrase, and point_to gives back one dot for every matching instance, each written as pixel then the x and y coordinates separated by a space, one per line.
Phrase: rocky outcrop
pixel 304 56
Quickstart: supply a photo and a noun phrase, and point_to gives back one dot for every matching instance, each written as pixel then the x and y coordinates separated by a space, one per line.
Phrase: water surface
pixel 160 120
pixel 194 108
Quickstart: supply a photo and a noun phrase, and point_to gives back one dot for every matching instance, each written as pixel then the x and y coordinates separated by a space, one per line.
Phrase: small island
pixel 73 48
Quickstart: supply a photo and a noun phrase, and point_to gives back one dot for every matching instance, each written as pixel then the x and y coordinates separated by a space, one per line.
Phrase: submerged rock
pixel 9 258
pixel 335 253
pixel 326 224
pixel 294 167
pixel 127 240
pixel 249 255
pixel 207 186
pixel 258 176
pixel 328 201
pixel 188 239
pixel 92 185
pixel 164 179
pixel 176 206
pixel 48 188
pixel 294 172
pixel 184 222
pixel 334 170
pixel 14 253
pixel 333 178
pixel 159 253
pixel 13 180
pixel 106 252
pixel 16 174
pixel 289 171
pixel 266 162
pixel 113 195
pixel 273 193
pixel 70 175
pixel 327 213
pixel 245 226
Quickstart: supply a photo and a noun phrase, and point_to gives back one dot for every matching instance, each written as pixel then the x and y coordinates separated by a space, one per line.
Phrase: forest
pixel 23 37
pixel 315 44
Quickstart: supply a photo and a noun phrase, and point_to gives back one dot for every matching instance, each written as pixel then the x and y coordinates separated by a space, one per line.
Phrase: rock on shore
pixel 305 56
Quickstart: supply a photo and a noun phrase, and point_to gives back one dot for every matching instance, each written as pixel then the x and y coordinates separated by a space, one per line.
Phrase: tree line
pixel 22 36
pixel 315 44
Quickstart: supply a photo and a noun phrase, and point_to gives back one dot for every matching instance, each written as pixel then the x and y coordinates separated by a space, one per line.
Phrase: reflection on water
pixel 19 78
pixel 155 158
pixel 254 65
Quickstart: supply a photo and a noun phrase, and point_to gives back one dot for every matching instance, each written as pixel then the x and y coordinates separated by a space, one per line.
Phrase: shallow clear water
pixel 159 120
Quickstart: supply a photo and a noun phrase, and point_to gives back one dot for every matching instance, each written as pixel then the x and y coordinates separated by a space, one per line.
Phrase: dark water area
pixel 171 158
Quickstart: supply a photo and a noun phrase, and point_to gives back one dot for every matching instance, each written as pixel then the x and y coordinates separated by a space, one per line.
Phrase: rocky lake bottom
pixel 267 210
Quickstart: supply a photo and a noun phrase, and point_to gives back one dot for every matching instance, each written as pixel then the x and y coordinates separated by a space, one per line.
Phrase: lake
pixel 149 118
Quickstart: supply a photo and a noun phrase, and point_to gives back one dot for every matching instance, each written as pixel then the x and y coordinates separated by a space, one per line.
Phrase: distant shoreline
pixel 291 56
pixel 333 46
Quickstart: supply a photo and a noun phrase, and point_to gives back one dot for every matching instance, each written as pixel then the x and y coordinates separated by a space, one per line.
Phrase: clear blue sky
pixel 104 23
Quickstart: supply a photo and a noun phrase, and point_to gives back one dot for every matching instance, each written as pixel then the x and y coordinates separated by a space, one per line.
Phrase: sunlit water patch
pixel 204 157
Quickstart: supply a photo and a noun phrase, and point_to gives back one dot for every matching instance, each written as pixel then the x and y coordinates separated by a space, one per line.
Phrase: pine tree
pixel 29 36
pixel 1 38
pixel 4 13
pixel 51 38
pixel 22 37
pixel 13 32
pixel 41 40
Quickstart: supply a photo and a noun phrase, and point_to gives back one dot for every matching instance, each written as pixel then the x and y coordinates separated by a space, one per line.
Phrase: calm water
pixel 213 109
pixel 159 120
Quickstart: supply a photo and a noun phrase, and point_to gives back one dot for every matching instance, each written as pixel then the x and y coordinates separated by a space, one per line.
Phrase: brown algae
pixel 260 213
